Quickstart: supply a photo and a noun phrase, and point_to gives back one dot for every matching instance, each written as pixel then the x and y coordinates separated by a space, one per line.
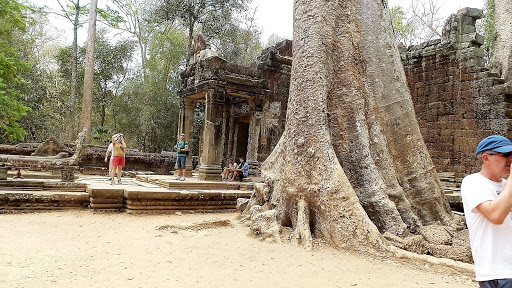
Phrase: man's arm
pixel 498 209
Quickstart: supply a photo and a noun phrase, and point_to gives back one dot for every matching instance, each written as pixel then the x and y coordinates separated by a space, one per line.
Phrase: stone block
pixel 106 206
pixel 102 193
pixel 3 173
pixel 106 201
pixel 157 195
pixel 241 204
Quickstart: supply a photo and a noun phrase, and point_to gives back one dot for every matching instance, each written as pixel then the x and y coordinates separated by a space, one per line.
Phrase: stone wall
pixel 275 66
pixel 457 100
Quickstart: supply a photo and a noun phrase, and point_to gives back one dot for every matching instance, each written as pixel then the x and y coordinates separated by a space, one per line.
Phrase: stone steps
pixel 145 193
pixel 25 184
pixel 169 181
pixel 451 188
pixel 35 200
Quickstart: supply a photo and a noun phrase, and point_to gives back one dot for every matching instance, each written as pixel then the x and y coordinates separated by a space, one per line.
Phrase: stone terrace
pixel 155 193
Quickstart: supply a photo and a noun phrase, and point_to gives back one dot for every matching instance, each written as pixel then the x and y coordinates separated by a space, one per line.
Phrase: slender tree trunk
pixel 103 104
pixel 502 55
pixel 89 72
pixel 74 95
pixel 190 37
pixel 351 162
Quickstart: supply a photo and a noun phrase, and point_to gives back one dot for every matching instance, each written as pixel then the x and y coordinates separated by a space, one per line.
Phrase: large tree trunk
pixel 502 54
pixel 351 139
pixel 89 72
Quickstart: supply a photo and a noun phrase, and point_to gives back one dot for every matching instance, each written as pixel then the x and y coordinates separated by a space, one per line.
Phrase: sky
pixel 276 16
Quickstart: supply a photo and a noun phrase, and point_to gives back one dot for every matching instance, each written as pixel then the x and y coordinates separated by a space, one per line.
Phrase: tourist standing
pixel 487 199
pixel 118 160
pixel 182 148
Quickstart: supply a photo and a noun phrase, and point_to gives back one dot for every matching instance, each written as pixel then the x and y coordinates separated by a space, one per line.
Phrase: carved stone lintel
pixel 50 147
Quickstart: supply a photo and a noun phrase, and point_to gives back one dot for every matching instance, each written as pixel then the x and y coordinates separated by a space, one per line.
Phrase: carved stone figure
pixel 201 49
pixel 50 147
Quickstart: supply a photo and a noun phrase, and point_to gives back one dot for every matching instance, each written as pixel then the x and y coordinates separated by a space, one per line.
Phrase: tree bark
pixel 89 73
pixel 502 55
pixel 351 163
pixel 74 71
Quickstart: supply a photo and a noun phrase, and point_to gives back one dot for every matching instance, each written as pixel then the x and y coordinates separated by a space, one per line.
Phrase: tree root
pixel 302 232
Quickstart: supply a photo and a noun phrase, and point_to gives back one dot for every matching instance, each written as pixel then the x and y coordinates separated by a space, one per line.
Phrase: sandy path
pixel 88 249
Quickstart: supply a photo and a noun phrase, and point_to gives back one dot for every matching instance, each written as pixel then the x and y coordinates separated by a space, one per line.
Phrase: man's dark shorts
pixel 500 283
pixel 240 175
pixel 181 162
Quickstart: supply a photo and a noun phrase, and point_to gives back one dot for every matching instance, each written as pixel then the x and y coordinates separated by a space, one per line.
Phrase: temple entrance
pixel 242 108
pixel 242 139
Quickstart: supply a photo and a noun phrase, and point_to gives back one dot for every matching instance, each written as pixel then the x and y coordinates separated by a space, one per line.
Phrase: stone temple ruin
pixel 457 100
pixel 245 107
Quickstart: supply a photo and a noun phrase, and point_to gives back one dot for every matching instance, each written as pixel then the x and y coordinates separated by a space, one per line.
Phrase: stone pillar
pixel 231 134
pixel 210 166
pixel 225 129
pixel 235 142
pixel 253 143
pixel 186 123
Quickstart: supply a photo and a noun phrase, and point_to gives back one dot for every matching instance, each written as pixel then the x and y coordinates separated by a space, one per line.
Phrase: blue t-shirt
pixel 245 170
pixel 182 145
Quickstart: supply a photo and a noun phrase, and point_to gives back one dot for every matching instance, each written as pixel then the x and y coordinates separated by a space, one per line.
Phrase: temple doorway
pixel 242 139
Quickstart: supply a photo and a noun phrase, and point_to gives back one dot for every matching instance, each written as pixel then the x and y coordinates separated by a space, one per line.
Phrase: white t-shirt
pixel 491 244
pixel 110 150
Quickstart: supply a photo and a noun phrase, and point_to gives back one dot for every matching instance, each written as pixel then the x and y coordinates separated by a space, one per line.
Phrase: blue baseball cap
pixel 496 143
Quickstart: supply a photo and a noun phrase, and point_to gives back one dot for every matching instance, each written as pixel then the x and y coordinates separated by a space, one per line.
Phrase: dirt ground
pixel 92 249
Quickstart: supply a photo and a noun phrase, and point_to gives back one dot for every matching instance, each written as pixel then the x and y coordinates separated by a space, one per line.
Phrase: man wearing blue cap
pixel 487 199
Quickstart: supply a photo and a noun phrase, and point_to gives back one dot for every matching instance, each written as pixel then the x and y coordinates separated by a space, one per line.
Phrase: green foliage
pixel 102 135
pixel 147 110
pixel 402 28
pixel 216 19
pixel 111 16
pixel 137 97
pixel 12 21
pixel 489 30
pixel 239 42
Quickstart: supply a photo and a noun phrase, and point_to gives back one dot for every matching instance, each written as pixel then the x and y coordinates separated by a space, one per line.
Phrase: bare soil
pixel 94 249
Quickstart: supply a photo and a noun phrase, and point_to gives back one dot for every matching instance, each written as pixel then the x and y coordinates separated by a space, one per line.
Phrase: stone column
pixel 186 123
pixel 231 134
pixel 210 166
pixel 253 142
pixel 225 129
pixel 235 141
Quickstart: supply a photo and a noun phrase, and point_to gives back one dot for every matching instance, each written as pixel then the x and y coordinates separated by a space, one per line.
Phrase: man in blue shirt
pixel 182 148
pixel 242 170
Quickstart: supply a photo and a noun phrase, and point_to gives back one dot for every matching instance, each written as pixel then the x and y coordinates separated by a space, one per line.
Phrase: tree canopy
pixel 142 46
pixel 13 24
